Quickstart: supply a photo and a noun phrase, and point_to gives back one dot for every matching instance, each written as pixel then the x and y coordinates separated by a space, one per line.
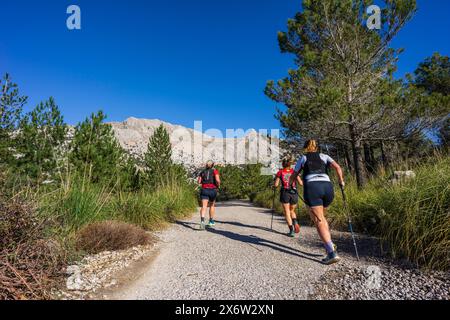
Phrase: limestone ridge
pixel 193 148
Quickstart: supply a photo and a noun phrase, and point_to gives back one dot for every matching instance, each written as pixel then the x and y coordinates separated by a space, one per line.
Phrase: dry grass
pixel 30 264
pixel 110 236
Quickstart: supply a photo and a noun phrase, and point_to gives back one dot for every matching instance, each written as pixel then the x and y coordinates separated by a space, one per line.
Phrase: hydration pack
pixel 208 176
pixel 314 165
pixel 285 177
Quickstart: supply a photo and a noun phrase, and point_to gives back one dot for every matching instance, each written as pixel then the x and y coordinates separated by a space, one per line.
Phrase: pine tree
pixel 11 105
pixel 433 74
pixel 343 88
pixel 95 151
pixel 41 136
pixel 158 158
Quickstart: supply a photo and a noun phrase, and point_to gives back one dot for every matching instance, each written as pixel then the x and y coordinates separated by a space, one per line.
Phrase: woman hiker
pixel 210 181
pixel 318 191
pixel 288 195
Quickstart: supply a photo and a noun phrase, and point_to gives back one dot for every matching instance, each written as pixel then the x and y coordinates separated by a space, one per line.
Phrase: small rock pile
pixel 97 271
pixel 381 282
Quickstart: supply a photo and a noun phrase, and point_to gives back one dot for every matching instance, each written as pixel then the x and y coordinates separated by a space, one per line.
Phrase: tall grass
pixel 153 209
pixel 77 203
pixel 411 218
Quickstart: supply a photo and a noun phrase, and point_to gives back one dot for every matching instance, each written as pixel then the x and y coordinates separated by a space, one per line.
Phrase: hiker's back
pixel 208 177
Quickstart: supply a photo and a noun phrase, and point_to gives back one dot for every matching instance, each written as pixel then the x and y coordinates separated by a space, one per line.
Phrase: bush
pixel 411 218
pixel 151 210
pixel 30 264
pixel 77 203
pixel 242 182
pixel 111 235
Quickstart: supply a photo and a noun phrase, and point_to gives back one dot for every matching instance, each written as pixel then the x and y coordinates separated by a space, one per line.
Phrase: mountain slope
pixel 192 147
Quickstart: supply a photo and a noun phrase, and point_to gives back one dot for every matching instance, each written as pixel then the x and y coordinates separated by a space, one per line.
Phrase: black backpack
pixel 314 165
pixel 208 176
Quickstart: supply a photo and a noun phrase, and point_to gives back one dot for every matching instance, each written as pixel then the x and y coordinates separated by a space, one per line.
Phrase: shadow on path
pixel 189 225
pixel 236 203
pixel 250 239
pixel 254 240
pixel 243 225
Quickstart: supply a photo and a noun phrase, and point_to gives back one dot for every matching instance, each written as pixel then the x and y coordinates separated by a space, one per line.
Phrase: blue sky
pixel 174 60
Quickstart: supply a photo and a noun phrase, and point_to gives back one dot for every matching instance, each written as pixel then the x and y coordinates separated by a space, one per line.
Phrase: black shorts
pixel 318 193
pixel 208 194
pixel 289 197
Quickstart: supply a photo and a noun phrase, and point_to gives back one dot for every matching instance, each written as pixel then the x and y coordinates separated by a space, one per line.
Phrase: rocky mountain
pixel 194 148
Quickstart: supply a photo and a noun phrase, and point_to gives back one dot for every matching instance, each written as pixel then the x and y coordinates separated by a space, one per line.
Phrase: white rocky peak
pixel 193 148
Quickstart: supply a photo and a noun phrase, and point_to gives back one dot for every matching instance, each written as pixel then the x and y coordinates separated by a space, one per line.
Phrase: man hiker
pixel 210 181
pixel 288 195
pixel 318 191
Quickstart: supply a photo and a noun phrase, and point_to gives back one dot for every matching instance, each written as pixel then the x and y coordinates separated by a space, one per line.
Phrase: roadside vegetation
pixel 410 217
pixel 343 91
pixel 69 191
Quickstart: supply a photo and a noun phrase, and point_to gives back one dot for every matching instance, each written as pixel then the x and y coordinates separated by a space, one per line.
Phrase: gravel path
pixel 243 259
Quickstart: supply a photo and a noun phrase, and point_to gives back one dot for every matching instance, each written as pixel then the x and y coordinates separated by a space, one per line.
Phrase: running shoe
pixel 202 225
pixel 331 258
pixel 211 223
pixel 291 234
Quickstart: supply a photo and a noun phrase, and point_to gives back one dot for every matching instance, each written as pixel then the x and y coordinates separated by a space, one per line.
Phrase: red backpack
pixel 285 176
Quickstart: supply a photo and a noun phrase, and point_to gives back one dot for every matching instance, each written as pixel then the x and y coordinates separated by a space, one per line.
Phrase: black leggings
pixel 318 193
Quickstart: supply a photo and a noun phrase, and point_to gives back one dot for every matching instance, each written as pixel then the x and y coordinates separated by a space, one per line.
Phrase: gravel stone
pixel 243 259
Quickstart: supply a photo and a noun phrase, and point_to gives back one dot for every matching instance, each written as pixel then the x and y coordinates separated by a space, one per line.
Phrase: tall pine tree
pixel 343 88
pixel 11 105
pixel 158 158
pixel 95 151
pixel 40 138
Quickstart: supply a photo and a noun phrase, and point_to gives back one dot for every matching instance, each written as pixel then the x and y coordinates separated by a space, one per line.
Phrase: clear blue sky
pixel 175 60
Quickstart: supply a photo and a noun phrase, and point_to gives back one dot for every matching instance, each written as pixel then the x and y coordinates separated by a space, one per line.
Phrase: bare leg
pixel 294 218
pixel 212 210
pixel 317 215
pixel 203 208
pixel 287 214
pixel 293 213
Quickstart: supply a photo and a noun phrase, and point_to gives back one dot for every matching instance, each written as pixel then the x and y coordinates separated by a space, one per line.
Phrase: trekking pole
pixel 273 208
pixel 349 220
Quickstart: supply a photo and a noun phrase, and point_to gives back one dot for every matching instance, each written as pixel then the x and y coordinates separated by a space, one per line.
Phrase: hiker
pixel 210 181
pixel 318 191
pixel 288 195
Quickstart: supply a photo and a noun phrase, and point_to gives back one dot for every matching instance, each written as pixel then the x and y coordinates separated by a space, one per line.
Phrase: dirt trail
pixel 240 259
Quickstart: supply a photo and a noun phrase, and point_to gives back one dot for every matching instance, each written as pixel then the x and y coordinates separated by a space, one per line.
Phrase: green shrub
pixel 76 203
pixel 242 182
pixel 152 209
pixel 411 218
